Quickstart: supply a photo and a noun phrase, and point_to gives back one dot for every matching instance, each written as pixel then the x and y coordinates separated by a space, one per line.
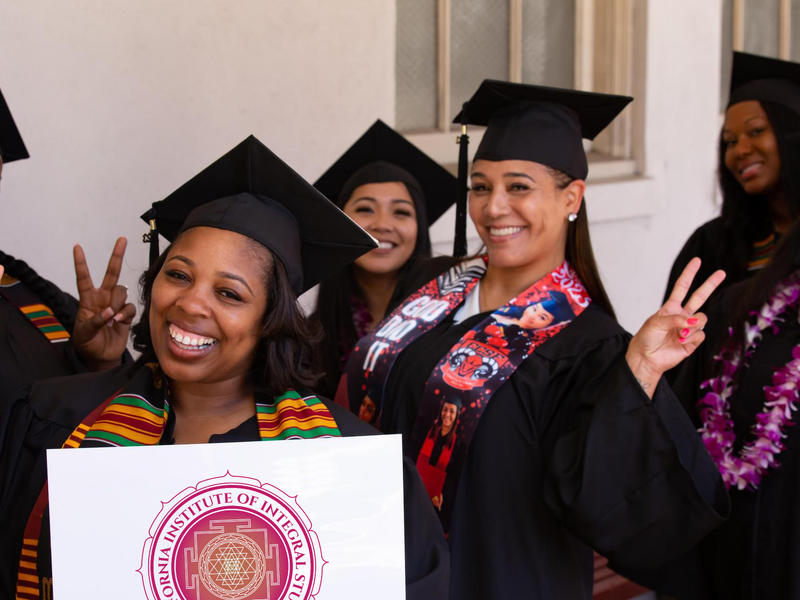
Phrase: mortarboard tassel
pixel 460 239
pixel 151 236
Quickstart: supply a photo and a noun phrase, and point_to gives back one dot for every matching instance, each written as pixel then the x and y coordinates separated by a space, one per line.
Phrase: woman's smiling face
pixel 535 316
pixel 207 306
pixel 386 210
pixel 449 414
pixel 751 149
pixel 520 213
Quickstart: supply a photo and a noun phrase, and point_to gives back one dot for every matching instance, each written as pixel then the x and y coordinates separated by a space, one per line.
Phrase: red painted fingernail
pixel 692 321
pixel 684 333
pixel 682 340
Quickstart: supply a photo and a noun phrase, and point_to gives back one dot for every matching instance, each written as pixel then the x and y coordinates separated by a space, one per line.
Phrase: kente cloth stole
pixel 762 252
pixel 40 315
pixel 473 369
pixel 128 418
pixel 28 570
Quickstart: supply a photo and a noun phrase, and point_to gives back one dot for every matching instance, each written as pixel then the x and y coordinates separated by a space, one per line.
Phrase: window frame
pixel 605 61
pixel 784 27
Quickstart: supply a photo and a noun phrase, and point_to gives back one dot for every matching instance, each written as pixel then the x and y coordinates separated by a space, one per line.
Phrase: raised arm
pixel 104 316
pixel 673 332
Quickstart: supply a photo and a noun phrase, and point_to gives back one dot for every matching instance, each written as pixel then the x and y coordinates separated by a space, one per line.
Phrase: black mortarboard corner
pixel 756 77
pixel 11 145
pixel 537 123
pixel 380 145
pixel 251 191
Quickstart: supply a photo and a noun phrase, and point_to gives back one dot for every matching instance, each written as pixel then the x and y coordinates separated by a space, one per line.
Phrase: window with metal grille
pixel 445 48
pixel 765 27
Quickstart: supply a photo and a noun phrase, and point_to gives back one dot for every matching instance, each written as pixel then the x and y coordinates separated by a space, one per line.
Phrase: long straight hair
pixel 579 251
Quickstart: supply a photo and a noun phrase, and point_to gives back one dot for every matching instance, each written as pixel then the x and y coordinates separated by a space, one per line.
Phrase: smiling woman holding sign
pixel 225 355
pixel 569 438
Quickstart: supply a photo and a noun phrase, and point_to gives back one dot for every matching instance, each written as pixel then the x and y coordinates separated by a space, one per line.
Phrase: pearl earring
pixel 572 217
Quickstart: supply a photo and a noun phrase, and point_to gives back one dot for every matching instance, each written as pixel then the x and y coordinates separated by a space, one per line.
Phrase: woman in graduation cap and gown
pixel 45 332
pixel 571 438
pixel 226 355
pixel 741 390
pixel 394 191
pixel 759 149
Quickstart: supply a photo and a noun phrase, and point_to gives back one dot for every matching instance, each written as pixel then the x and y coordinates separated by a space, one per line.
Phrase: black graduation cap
pixel 11 145
pixel 756 77
pixel 539 123
pixel 532 122
pixel 381 144
pixel 251 191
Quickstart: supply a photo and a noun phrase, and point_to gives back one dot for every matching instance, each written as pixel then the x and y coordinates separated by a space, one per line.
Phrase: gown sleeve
pixel 426 553
pixel 627 474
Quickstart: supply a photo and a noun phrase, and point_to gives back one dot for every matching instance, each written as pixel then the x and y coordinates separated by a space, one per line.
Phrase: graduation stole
pixel 136 416
pixel 474 368
pixel 40 315
pixel 373 356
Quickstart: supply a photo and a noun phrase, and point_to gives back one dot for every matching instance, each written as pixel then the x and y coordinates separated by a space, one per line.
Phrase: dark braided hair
pixel 63 305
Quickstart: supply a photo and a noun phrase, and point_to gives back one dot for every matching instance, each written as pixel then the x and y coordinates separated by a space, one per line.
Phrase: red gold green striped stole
pixel 28 572
pixel 129 420
pixel 292 417
pixel 762 253
pixel 45 321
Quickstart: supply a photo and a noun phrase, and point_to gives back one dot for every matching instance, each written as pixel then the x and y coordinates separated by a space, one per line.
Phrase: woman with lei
pixel 394 191
pixel 757 174
pixel 571 440
pixel 226 356
pixel 746 413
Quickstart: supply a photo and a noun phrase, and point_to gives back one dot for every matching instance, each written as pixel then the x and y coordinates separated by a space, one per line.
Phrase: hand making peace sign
pixel 673 332
pixel 104 318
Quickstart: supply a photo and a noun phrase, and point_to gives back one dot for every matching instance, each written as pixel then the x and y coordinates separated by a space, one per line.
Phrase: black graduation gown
pixel 755 554
pixel 26 355
pixel 707 242
pixel 569 453
pixel 55 407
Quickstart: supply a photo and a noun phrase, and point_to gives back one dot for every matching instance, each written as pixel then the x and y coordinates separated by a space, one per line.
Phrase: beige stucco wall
pixel 120 102
pixel 682 120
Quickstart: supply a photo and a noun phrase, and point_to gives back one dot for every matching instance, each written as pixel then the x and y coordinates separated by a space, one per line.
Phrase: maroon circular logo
pixel 231 538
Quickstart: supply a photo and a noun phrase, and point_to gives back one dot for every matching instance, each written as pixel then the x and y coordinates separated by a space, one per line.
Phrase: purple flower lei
pixel 780 399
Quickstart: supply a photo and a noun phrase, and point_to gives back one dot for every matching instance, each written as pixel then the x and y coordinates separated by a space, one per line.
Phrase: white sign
pixel 291 520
